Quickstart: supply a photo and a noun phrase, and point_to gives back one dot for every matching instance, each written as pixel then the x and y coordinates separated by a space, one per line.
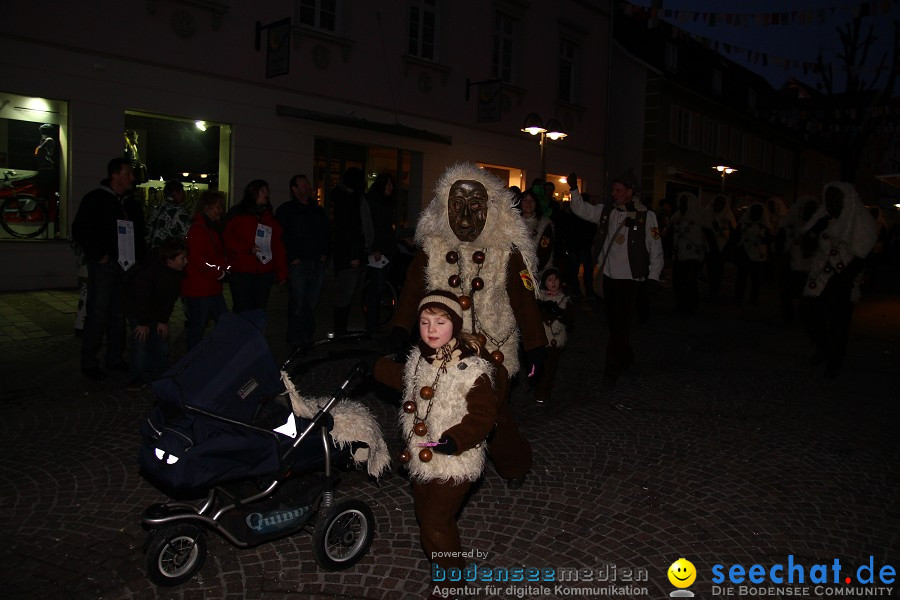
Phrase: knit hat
pixel 546 273
pixel 446 302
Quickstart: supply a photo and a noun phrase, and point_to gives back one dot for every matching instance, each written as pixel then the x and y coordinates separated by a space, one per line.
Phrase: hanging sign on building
pixel 490 101
pixel 278 48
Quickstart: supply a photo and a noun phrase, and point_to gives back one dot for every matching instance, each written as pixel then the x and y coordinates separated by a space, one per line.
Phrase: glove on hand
pixel 446 445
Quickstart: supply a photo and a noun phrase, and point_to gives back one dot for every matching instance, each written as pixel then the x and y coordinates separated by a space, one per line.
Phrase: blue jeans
pixel 305 280
pixel 149 358
pixel 105 315
pixel 250 291
pixel 199 311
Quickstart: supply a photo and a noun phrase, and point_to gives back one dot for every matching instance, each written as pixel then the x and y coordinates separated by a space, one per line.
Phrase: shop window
pixel 511 176
pixel 160 148
pixel 33 161
pixel 334 157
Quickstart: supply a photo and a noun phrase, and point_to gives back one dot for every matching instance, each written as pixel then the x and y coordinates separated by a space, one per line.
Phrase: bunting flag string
pixel 812 16
pixel 816 17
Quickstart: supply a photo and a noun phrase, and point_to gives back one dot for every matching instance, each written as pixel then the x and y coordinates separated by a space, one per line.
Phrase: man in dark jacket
pixel 353 232
pixel 109 228
pixel 306 243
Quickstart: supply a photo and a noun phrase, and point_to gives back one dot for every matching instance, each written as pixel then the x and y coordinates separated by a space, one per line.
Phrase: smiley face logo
pixel 682 573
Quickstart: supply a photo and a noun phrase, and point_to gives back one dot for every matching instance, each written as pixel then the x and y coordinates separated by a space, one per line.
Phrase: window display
pixel 195 153
pixel 32 164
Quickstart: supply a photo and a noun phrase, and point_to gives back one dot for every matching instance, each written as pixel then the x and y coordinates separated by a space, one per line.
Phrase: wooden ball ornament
pixel 465 302
pixel 409 407
pixel 420 428
pixel 425 454
pixel 478 284
pixel 478 257
pixel 454 281
pixel 497 357
pixel 426 393
pixel 482 339
pixel 452 257
pixel 405 456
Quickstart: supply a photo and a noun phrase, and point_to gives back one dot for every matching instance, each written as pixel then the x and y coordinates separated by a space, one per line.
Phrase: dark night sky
pixel 790 48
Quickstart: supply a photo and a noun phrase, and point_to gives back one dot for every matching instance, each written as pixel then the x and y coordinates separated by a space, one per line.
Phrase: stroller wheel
pixel 343 534
pixel 174 554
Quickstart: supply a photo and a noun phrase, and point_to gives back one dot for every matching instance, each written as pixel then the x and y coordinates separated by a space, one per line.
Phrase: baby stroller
pixel 219 431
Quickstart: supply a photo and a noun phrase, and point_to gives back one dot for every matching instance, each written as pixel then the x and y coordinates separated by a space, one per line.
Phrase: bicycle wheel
pixel 24 216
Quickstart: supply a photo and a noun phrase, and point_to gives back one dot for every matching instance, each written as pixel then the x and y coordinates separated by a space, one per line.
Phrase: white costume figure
pixel 851 235
pixel 447 409
pixel 690 240
pixel 474 244
pixel 722 218
pixel 503 239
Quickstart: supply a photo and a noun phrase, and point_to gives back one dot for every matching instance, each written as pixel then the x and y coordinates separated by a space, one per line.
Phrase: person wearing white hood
pixel 475 244
pixel 724 225
pixel 752 252
pixel 838 239
pixel 693 233
pixel 792 264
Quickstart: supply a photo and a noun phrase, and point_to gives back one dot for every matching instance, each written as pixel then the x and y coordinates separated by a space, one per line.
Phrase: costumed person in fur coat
pixel 838 238
pixel 694 240
pixel 450 406
pixel 540 227
pixel 473 242
pixel 752 252
pixel 723 225
pixel 559 315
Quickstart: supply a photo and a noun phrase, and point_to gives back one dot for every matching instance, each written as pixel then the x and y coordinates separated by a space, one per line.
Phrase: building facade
pixel 684 110
pixel 217 93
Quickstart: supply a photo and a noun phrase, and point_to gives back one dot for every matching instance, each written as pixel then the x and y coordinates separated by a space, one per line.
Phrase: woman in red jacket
pixel 254 249
pixel 202 286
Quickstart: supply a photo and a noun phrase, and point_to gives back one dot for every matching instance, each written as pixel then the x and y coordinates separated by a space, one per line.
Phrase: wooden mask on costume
pixel 467 209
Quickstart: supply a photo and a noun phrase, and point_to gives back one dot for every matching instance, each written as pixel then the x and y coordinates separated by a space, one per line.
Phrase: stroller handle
pixel 358 369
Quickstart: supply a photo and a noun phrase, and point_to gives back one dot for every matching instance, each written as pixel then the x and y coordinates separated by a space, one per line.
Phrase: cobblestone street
pixel 721 445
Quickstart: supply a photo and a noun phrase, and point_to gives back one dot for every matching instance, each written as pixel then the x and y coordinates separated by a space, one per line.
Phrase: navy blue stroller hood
pixel 214 419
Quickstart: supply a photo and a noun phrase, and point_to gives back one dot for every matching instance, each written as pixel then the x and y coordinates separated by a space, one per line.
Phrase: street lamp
pixel 724 170
pixel 551 129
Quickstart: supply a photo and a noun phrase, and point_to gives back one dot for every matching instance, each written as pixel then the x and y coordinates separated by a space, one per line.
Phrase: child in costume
pixel 450 407
pixel 558 313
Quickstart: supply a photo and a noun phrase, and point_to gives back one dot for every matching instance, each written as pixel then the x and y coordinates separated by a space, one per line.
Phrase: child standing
pixel 149 300
pixel 558 313
pixel 450 406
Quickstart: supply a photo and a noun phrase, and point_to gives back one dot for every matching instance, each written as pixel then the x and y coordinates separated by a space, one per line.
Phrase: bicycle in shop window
pixel 26 211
